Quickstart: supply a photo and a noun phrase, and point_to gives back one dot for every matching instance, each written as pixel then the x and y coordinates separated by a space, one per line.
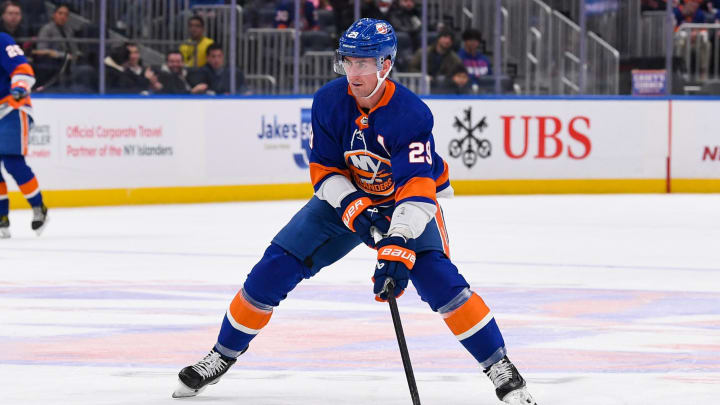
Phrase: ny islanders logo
pixel 381 28
pixel 371 173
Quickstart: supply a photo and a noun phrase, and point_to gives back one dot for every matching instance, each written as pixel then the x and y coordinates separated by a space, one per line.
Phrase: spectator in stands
pixel 653 5
pixel 285 15
pixel 57 30
pixel 691 11
pixel 457 83
pixel 194 49
pixel 134 64
pixel 477 64
pixel 215 75
pixel 53 51
pixel 120 79
pixel 343 11
pixel 205 2
pixel 134 67
pixel 115 70
pixel 11 15
pixel 442 61
pixel 406 17
pixel 173 77
pixel 322 4
pixel 378 9
pixel 709 12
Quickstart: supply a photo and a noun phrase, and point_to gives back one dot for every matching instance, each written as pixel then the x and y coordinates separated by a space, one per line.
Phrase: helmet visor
pixel 351 66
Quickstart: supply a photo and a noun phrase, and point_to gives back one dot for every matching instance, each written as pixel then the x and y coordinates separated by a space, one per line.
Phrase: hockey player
pixel 15 122
pixel 373 159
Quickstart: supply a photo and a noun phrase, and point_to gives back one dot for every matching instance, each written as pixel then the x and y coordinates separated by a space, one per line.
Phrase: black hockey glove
pixel 358 214
pixel 396 257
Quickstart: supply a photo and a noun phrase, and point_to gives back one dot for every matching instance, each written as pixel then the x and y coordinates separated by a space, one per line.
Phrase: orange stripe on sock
pixel 3 188
pixel 468 315
pixel 29 187
pixel 248 314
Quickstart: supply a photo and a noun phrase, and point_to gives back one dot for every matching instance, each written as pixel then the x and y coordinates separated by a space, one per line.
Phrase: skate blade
pixel 4 233
pixel 183 391
pixel 519 397
pixel 40 230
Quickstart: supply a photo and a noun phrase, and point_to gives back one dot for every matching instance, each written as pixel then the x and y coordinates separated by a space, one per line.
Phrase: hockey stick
pixel 389 287
pixel 57 76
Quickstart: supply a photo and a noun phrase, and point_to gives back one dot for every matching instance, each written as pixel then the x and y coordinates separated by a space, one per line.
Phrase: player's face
pixel 362 74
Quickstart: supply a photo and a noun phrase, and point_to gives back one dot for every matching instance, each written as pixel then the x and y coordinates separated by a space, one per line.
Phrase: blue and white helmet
pixel 367 38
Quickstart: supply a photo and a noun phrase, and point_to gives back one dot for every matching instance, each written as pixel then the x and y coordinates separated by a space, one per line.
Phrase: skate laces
pixel 210 365
pixel 500 372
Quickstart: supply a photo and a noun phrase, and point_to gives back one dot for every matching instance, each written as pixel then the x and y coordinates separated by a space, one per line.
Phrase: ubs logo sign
pixel 470 147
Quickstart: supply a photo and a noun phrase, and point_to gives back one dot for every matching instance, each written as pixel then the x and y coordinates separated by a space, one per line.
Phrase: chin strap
pixel 380 81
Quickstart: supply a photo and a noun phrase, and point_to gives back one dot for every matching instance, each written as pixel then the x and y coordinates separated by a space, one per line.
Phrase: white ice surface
pixel 602 300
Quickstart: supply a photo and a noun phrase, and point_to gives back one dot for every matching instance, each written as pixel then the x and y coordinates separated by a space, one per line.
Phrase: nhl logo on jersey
pixel 364 120
pixel 381 28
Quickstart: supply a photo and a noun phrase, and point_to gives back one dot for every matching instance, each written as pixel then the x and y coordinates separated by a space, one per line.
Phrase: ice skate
pixel 509 384
pixel 40 219
pixel 4 227
pixel 194 379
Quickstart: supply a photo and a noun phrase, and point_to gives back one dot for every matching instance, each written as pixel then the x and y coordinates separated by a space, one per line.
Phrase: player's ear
pixel 386 66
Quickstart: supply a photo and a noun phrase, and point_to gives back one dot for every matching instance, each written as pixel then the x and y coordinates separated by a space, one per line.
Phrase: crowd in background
pixel 456 65
pixel 692 11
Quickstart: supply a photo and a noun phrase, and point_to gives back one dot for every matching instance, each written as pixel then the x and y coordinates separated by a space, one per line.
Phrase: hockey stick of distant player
pixel 389 288
pixel 58 75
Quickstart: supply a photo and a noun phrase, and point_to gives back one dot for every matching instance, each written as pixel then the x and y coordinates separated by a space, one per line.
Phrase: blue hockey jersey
pixel 388 152
pixel 15 67
pixel 15 115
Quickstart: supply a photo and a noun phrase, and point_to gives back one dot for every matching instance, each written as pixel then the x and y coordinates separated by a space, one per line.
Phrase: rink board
pixel 109 151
